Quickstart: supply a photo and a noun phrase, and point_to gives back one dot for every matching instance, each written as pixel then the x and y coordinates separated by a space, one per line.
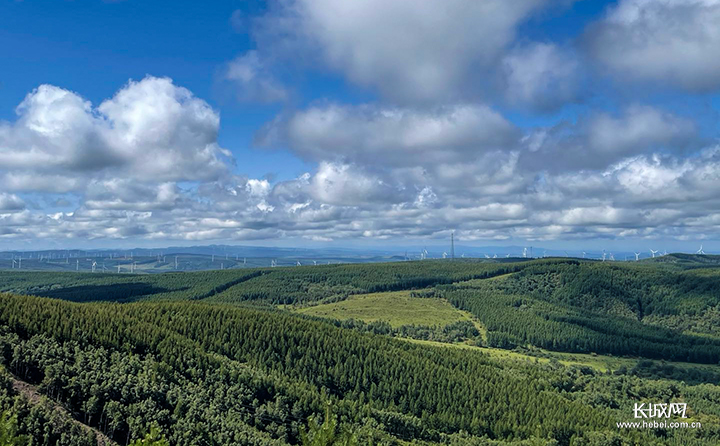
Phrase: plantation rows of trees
pixel 631 290
pixel 89 287
pixel 331 283
pixel 272 285
pixel 209 374
pixel 22 422
pixel 185 357
pixel 517 319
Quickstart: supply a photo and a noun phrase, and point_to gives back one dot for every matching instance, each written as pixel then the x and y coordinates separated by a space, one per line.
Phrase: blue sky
pixel 311 122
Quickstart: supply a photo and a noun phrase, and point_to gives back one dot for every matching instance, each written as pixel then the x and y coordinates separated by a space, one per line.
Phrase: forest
pixel 224 357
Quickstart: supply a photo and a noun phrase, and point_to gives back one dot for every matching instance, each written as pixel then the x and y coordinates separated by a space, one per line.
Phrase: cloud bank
pixel 470 127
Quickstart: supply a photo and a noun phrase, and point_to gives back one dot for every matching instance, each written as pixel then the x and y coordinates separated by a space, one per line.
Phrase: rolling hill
pixel 431 352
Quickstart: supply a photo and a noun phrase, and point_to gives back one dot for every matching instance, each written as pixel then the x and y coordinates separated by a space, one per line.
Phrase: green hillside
pixel 249 356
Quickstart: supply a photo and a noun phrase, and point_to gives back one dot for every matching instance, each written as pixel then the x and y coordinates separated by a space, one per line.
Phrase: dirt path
pixel 31 393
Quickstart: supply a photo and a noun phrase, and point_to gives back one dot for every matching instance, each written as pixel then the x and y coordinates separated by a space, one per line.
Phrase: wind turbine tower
pixel 653 252
pixel 700 251
pixel 637 256
pixel 452 245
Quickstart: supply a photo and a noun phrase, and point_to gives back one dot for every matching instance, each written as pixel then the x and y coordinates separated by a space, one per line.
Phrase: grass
pixel 397 308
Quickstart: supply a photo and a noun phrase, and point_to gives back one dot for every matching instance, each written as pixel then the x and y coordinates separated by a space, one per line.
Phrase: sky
pixel 567 124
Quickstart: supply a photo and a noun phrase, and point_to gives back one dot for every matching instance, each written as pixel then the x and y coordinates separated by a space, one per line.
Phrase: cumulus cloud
pixel 396 136
pixel 431 155
pixel 150 129
pixel 540 76
pixel 602 139
pixel 416 51
pixel 670 41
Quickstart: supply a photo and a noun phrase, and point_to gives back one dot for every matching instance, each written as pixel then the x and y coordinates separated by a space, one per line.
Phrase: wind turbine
pixel 94 265
pixel 653 252
pixel 487 256
pixel 494 256
pixel 604 255
pixel 612 257
pixel 298 263
pixel 637 256
pixel 524 253
pixel 14 263
pixel 315 262
pixel 273 264
pixel 77 265
pixel 700 251
pixel 444 255
pixel 507 256
pixel 584 254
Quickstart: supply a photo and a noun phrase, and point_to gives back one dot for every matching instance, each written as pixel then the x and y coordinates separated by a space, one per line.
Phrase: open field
pixel 397 308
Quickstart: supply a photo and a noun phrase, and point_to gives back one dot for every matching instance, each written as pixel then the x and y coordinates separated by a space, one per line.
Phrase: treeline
pixel 91 287
pixel 273 285
pixel 335 282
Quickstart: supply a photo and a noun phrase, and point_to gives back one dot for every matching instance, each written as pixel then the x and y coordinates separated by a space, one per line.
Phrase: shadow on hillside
pixel 119 292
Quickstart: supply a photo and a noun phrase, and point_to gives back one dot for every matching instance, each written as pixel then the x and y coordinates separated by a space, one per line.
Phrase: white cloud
pixel 150 130
pixel 672 41
pixel 341 184
pixel 409 50
pixel 392 136
pixel 601 139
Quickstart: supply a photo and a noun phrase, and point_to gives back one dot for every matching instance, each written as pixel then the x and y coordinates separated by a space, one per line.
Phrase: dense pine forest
pixel 228 357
